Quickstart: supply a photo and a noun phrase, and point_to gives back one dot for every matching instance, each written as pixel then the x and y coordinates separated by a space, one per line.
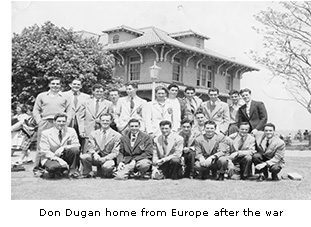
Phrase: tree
pixel 287 47
pixel 49 51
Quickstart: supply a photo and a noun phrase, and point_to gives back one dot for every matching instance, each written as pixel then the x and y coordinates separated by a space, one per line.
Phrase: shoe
pixel 17 168
pixel 74 175
pixel 221 177
pixel 190 177
pixel 261 178
pixel 28 161
pixel 275 177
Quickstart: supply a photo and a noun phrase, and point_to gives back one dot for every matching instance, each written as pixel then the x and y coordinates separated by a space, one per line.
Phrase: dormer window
pixel 115 39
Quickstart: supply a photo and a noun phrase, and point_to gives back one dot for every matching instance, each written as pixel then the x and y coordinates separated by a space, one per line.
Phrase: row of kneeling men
pixel 189 153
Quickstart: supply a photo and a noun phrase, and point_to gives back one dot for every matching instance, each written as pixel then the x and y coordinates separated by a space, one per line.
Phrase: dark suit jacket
pixel 142 149
pixel 258 115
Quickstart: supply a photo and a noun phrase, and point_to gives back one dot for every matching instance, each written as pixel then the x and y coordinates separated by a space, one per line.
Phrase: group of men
pixel 169 137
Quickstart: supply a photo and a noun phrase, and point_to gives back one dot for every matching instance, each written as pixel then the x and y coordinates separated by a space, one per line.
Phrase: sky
pixel 228 24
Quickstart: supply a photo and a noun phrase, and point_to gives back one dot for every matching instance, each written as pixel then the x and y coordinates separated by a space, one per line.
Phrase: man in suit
pixel 167 153
pixel 102 150
pixel 92 109
pixel 135 152
pixel 199 125
pixel 77 98
pixel 59 148
pixel 157 111
pixel 212 152
pixel 178 104
pixel 48 104
pixel 216 110
pixel 114 97
pixel 192 102
pixel 270 153
pixel 189 137
pixel 130 107
pixel 244 144
pixel 252 111
pixel 233 109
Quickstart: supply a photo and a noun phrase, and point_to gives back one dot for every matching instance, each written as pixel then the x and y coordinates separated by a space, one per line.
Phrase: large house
pixel 181 57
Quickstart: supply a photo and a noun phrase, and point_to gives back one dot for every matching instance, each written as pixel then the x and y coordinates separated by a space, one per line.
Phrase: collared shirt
pixel 233 112
pixel 133 138
pixel 248 106
pixel 175 104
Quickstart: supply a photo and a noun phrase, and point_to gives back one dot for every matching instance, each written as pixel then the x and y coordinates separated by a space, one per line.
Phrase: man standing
pixel 46 106
pixel 130 107
pixel 92 109
pixel 212 152
pixel 217 111
pixel 233 108
pixel 252 111
pixel 135 151
pixel 59 148
pixel 115 107
pixel 167 153
pixel 189 137
pixel 178 104
pixel 199 127
pixel 77 98
pixel 157 111
pixel 244 144
pixel 192 102
pixel 102 150
pixel 270 153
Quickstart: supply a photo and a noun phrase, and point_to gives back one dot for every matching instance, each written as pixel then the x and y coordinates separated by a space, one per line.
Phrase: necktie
pixel 75 99
pixel 133 138
pixel 267 144
pixel 132 103
pixel 212 106
pixel 241 143
pixel 96 107
pixel 186 140
pixel 60 136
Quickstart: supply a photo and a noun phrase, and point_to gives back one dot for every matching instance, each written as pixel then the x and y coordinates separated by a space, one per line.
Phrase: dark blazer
pixel 142 149
pixel 258 115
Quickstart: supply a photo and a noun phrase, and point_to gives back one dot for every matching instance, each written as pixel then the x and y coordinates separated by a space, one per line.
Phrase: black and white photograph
pixel 160 100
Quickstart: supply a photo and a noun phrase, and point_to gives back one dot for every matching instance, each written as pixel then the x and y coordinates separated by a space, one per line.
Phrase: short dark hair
pixel 97 86
pixel 245 90
pixel 186 120
pixel 58 115
pixel 160 87
pixel 189 89
pixel 172 85
pixel 269 125
pixel 232 92
pixel 50 79
pixel 76 78
pixel 114 89
pixel 213 89
pixel 133 120
pixel 209 122
pixel 133 84
pixel 106 114
pixel 165 122
pixel 199 111
pixel 244 123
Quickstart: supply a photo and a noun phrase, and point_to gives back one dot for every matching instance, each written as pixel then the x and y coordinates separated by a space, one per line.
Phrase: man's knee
pixel 275 168
pixel 108 165
pixel 257 157
pixel 247 158
pixel 143 165
pixel 175 161
pixel 222 161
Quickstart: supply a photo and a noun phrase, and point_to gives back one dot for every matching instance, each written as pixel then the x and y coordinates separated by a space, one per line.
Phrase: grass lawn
pixel 25 186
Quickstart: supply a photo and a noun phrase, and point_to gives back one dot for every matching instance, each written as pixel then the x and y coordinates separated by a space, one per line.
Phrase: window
pixel 198 43
pixel 115 39
pixel 205 76
pixel 134 68
pixel 229 82
pixel 177 70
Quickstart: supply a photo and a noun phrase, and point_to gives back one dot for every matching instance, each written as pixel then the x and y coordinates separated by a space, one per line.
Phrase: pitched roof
pixel 123 28
pixel 187 33
pixel 155 36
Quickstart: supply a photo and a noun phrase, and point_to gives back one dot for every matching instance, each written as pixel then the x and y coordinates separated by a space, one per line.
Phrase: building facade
pixel 181 56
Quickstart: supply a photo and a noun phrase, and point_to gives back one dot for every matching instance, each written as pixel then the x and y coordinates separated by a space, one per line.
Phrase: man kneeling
pixel 212 152
pixel 167 153
pixel 135 152
pixel 102 149
pixel 59 148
